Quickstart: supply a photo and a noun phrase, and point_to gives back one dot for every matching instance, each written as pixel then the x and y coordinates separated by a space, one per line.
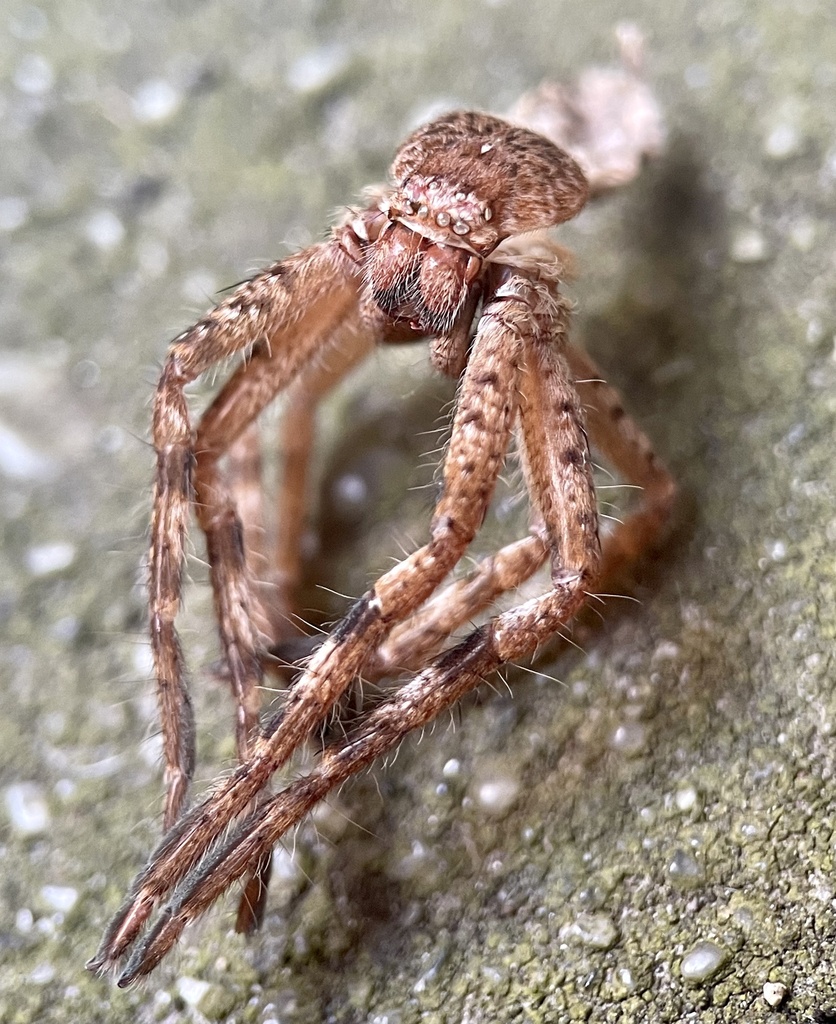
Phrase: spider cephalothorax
pixel 436 254
pixel 449 209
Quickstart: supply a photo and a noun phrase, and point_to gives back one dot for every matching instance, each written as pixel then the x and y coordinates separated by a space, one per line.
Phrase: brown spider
pixel 437 255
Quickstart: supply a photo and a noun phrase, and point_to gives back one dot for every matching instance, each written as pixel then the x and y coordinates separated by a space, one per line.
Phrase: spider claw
pixel 121 933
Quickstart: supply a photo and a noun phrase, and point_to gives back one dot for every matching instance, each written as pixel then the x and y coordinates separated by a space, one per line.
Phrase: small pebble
pixel 686 798
pixel 666 650
pixel 318 68
pixel 104 229
pixel 18 460
pixel 625 979
pixel 595 930
pixel 24 920
pixel 703 961
pixel 684 868
pixel 629 738
pixel 774 993
pixel 45 559
pixel 14 212
pixel 34 75
pixel 192 990
pixel 59 897
pixel 749 246
pixel 802 234
pixel 498 795
pixel 27 808
pixel 783 142
pixel 155 100
pixel 42 974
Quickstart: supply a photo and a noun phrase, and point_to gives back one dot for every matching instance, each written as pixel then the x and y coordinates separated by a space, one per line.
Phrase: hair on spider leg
pixel 618 487
pixel 335 593
pixel 539 674
pixel 608 504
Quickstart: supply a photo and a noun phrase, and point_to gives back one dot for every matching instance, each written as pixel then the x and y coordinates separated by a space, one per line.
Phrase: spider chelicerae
pixel 453 251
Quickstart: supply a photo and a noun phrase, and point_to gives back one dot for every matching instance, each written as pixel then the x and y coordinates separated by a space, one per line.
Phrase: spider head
pixel 461 185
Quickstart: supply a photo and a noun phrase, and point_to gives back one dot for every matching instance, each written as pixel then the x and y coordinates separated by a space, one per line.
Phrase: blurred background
pixel 645 832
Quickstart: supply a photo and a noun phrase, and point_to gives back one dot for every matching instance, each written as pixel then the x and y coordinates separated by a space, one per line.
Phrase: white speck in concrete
pixel 27 808
pixel 595 930
pixel 629 738
pixel 156 100
pixel 18 461
pixel 749 246
pixel 666 650
pixel 498 795
pixel 65 789
pixel 59 897
pixel 192 990
pixel 778 551
pixel 774 993
pixel 318 68
pixel 703 961
pixel 42 974
pixel 45 559
pixel 783 141
pixel 24 920
pixel 14 212
pixel 104 229
pixel 686 798
pixel 683 868
pixel 34 75
pixel 803 233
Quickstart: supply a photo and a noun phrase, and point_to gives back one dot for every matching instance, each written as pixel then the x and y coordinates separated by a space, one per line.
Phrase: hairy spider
pixel 436 255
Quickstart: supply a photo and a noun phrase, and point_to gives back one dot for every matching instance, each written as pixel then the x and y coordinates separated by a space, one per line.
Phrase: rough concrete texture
pixel 649 839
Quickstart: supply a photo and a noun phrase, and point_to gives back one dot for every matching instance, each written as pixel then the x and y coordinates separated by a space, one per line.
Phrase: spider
pixel 453 251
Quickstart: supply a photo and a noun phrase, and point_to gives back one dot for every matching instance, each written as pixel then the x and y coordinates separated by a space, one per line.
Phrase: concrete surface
pixel 651 838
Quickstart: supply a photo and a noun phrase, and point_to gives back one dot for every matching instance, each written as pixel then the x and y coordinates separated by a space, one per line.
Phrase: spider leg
pixel 248 591
pixel 273 555
pixel 623 444
pixel 297 428
pixel 285 309
pixel 244 480
pixel 628 449
pixel 424 633
pixel 558 473
pixel 485 411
